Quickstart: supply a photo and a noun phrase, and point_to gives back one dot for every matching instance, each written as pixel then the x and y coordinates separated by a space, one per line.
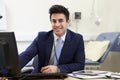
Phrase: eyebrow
pixel 58 19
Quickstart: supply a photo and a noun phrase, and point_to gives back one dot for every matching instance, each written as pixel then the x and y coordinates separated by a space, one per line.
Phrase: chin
pixel 58 34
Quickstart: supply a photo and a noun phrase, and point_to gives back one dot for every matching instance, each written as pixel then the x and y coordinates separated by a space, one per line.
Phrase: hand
pixel 3 78
pixel 50 69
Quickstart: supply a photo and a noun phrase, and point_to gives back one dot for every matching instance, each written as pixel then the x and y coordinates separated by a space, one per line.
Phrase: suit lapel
pixel 65 46
pixel 49 45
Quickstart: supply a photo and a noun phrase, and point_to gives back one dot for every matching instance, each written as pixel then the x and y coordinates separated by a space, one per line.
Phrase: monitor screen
pixel 9 62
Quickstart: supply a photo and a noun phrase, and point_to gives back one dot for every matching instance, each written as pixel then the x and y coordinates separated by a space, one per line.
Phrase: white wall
pixel 3 14
pixel 27 17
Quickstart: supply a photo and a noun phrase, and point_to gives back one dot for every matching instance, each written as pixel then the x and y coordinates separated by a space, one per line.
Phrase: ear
pixel 68 22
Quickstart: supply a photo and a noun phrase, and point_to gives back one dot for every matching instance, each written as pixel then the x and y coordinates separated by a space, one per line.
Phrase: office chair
pixel 112 37
pixel 30 66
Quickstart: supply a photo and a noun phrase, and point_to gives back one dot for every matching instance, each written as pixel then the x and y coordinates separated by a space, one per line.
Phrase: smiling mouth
pixel 57 29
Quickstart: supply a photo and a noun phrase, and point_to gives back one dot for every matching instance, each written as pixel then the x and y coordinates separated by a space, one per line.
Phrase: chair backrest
pixel 35 61
pixel 112 37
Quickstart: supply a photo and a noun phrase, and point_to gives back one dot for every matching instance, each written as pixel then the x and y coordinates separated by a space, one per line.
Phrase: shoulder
pixel 75 38
pixel 44 35
pixel 74 34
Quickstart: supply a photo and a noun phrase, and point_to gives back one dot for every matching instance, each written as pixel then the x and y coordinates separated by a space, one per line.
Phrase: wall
pixel 2 16
pixel 27 17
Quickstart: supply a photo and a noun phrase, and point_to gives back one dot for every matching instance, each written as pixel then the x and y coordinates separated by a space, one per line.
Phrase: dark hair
pixel 59 9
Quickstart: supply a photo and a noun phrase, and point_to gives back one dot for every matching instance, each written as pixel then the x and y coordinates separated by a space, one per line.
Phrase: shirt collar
pixel 56 37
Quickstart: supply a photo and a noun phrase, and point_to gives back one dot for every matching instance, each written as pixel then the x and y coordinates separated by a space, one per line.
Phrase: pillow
pixel 95 49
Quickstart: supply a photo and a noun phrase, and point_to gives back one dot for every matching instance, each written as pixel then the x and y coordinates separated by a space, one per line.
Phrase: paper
pixel 115 75
pixel 89 74
pixel 86 76
pixel 94 74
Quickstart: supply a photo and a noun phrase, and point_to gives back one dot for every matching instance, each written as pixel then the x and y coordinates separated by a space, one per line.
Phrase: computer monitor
pixel 9 62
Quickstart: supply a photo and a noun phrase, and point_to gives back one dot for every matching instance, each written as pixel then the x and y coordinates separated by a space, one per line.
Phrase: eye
pixel 53 21
pixel 61 20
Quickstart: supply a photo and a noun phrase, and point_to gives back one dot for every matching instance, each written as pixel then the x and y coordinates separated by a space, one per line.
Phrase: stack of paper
pixel 89 74
pixel 115 75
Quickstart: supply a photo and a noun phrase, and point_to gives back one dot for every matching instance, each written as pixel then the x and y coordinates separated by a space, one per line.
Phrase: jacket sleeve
pixel 28 54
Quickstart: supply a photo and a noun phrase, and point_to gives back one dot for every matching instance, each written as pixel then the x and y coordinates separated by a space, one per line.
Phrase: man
pixel 71 58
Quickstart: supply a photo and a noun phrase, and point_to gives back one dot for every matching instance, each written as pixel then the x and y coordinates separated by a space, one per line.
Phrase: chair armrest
pixel 27 69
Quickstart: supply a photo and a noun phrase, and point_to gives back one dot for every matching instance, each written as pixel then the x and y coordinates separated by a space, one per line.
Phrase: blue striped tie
pixel 58 50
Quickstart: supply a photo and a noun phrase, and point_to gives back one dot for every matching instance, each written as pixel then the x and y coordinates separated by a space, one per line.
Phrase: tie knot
pixel 59 40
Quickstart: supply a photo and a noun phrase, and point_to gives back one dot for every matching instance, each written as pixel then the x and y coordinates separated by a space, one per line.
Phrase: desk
pixel 68 78
pixel 57 77
pixel 71 78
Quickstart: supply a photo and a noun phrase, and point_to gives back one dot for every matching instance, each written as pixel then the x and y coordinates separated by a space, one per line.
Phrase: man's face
pixel 59 23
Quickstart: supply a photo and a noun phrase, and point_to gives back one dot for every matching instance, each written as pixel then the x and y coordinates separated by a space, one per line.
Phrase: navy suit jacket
pixel 72 56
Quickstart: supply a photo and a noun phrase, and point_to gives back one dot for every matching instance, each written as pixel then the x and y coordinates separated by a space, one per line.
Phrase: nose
pixel 57 24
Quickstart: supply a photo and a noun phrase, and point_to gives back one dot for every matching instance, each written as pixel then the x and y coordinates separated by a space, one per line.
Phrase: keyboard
pixel 37 76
